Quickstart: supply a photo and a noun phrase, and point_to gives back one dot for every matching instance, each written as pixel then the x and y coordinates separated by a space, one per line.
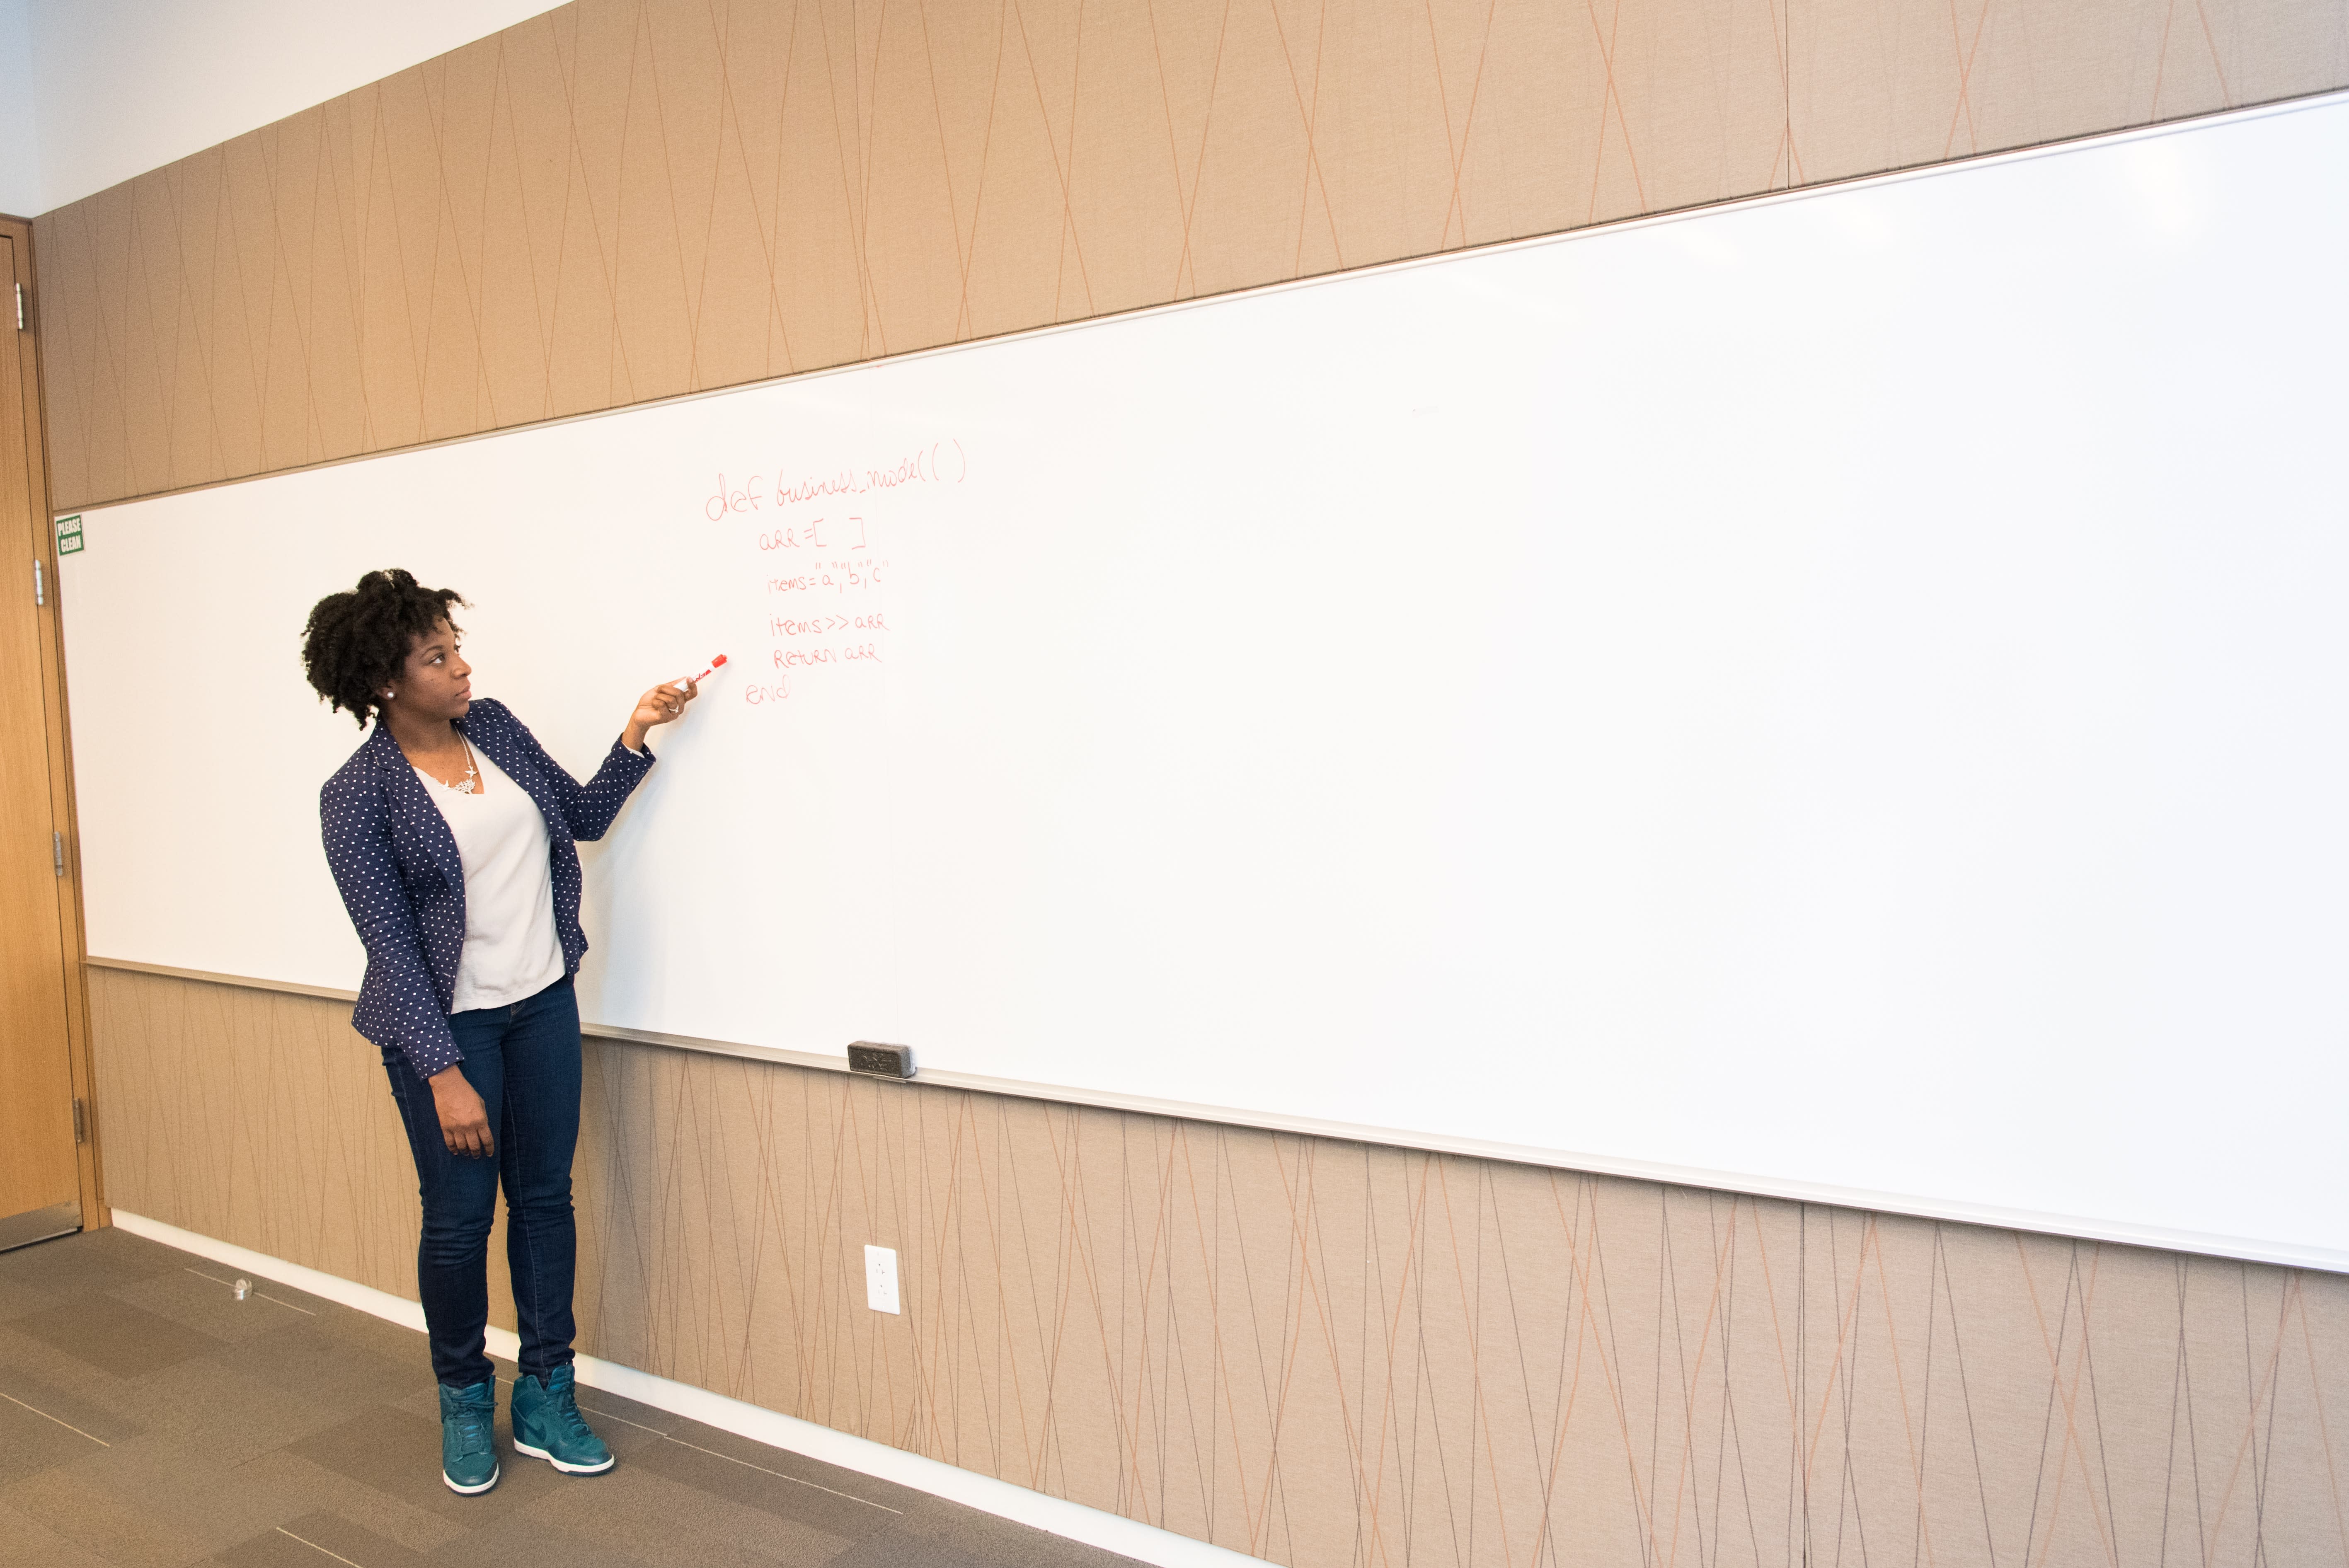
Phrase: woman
pixel 450 835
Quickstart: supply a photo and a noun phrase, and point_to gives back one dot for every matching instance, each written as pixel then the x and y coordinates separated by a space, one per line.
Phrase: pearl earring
pixel 388 695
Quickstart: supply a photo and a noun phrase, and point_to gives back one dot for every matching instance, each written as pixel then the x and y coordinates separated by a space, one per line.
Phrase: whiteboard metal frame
pixel 2321 1259
pixel 2327 1260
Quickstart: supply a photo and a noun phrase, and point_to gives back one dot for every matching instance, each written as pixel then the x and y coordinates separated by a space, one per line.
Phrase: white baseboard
pixel 1109 1531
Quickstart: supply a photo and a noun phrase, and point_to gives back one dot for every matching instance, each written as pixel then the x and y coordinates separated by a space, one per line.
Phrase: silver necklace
pixel 472 774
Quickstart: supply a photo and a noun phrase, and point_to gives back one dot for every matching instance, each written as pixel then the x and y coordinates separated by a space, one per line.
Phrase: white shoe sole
pixel 523 1448
pixel 469 1491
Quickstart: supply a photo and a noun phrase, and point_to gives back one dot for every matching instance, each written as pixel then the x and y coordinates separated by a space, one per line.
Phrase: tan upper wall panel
pixel 630 199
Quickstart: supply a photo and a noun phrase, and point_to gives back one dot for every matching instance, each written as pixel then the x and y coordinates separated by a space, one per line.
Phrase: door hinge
pixel 20 307
pixel 57 851
pixel 81 1122
pixel 40 584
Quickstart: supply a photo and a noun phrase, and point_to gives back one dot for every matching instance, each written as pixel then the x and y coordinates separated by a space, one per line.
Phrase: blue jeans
pixel 523 1061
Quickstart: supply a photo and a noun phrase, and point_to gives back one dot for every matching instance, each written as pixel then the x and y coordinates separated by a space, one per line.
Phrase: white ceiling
pixel 93 92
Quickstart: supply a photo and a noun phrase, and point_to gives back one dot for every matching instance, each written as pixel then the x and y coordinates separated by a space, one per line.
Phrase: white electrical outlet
pixel 881 1278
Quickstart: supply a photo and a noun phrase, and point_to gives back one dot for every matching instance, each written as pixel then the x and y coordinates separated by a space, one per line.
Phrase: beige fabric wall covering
pixel 1319 1352
pixel 629 199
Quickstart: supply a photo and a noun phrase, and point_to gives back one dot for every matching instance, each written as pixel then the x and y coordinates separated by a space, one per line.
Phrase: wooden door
pixel 40 1170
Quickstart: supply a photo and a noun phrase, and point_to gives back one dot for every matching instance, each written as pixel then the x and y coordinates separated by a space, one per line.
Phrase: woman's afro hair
pixel 357 643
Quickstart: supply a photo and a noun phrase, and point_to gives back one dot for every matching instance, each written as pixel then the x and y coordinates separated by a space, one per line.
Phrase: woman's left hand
pixel 662 705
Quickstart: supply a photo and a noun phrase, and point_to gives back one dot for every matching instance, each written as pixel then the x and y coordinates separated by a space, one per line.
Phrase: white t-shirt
pixel 510 952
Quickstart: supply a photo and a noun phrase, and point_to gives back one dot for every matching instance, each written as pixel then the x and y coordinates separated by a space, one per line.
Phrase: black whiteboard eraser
pixel 881 1061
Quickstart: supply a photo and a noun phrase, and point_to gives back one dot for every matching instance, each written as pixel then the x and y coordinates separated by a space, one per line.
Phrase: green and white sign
pixel 69 534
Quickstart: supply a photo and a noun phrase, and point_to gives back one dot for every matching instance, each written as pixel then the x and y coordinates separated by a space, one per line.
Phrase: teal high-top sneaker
pixel 469 1455
pixel 547 1425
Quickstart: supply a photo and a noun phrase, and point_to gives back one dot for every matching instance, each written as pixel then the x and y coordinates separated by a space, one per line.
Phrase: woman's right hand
pixel 464 1121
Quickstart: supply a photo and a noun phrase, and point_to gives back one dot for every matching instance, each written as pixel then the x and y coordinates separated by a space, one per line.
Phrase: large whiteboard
pixel 1837 694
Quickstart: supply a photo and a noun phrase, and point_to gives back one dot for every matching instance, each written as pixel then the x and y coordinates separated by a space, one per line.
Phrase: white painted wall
pixel 20 149
pixel 119 87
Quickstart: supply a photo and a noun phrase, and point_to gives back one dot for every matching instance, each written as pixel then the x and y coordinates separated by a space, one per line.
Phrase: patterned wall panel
pixel 1322 1352
pixel 628 198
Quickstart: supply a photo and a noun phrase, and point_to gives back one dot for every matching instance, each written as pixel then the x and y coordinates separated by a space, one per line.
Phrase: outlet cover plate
pixel 881 1278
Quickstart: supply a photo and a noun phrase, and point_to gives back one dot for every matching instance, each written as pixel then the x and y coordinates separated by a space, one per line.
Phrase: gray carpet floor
pixel 148 1417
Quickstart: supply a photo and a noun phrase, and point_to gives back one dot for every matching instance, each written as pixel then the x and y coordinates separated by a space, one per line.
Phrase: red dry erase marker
pixel 690 680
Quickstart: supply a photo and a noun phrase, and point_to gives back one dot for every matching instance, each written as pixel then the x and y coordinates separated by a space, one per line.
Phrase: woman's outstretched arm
pixel 588 808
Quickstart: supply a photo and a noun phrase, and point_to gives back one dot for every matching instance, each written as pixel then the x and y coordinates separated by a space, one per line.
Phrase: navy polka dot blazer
pixel 396 863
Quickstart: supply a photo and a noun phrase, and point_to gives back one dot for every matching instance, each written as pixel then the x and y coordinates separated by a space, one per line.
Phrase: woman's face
pixel 437 682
